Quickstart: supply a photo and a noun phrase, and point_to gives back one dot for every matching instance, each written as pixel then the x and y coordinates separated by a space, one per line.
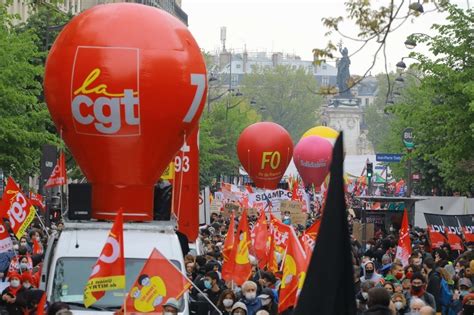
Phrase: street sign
pixel 388 157
pixel 407 138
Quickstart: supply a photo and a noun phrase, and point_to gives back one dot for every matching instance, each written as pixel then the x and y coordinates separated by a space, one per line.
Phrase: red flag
pixel 158 281
pixel 239 256
pixel 249 189
pixel 17 208
pixel 308 239
pixel 37 247
pixel 272 263
pixel 37 200
pixel 280 233
pixel 404 243
pixel 228 265
pixel 41 305
pixel 294 193
pixel 260 242
pixel 294 272
pixel 108 272
pixel 58 176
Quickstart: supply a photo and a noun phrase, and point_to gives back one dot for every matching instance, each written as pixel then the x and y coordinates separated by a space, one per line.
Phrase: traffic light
pixel 370 170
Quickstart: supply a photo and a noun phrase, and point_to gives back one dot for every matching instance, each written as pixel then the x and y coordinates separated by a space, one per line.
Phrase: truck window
pixel 71 275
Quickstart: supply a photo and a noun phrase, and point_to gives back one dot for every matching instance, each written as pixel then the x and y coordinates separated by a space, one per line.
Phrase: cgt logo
pixel 105 99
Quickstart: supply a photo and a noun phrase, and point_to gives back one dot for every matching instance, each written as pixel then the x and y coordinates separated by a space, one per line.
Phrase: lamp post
pixel 411 43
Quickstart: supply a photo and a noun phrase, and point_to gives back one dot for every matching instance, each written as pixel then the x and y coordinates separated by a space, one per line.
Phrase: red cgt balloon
pixel 125 84
pixel 312 158
pixel 265 150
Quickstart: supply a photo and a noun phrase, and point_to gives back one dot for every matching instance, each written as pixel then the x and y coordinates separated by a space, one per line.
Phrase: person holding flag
pixel 404 243
pixel 108 272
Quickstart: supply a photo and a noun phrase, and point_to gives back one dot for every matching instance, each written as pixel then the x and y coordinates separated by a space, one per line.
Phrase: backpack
pixel 445 295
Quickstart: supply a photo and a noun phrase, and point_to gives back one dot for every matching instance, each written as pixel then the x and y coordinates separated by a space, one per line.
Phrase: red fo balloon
pixel 264 150
pixel 312 158
pixel 125 84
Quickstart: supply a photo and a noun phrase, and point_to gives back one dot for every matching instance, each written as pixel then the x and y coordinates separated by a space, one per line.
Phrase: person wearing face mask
pixel 268 302
pixel 249 297
pixel 418 291
pixel 10 293
pixel 400 303
pixel 379 302
pixel 362 296
pixel 225 303
pixel 211 286
pixel 369 273
pixel 416 305
pixel 15 262
pixel 239 308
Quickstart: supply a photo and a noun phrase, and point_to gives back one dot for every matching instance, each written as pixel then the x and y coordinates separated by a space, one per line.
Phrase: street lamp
pixel 411 43
pixel 401 65
pixel 400 79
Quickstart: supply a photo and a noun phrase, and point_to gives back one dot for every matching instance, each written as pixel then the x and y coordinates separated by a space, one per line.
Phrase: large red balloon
pixel 312 158
pixel 265 149
pixel 125 84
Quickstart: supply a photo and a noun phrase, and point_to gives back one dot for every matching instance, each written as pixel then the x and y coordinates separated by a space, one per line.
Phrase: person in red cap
pixel 468 304
pixel 10 293
pixel 27 280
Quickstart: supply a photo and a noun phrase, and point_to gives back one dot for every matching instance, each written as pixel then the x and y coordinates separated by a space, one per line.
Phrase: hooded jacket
pixel 375 278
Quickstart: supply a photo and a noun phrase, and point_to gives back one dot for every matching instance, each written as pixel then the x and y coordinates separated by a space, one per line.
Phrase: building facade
pixel 24 8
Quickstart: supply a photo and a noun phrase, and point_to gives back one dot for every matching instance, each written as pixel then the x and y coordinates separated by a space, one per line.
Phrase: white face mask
pixel 15 283
pixel 228 302
pixel 250 296
pixel 365 295
pixel 26 285
pixel 398 305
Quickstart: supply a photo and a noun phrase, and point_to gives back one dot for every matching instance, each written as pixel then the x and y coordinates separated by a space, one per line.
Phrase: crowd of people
pixel 435 281
pixel 20 270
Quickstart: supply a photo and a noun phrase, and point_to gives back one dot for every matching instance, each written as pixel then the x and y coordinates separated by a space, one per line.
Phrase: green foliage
pixel 441 110
pixel 285 95
pixel 23 119
pixel 218 139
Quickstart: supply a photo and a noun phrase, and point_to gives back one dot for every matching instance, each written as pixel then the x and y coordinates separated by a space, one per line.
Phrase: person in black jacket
pixel 268 301
pixel 434 281
pixel 379 302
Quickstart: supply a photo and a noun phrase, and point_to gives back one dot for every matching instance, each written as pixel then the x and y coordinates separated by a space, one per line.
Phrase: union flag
pixel 404 243
pixel 294 273
pixel 58 176
pixel 158 281
pixel 261 238
pixel 239 255
pixel 108 272
pixel 37 200
pixel 228 266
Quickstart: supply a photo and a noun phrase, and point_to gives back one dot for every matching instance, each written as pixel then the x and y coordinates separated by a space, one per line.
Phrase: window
pixel 238 66
pixel 72 273
pixel 366 101
pixel 324 67
pixel 325 81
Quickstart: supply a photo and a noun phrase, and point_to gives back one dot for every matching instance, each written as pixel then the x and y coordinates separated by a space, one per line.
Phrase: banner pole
pixel 192 284
pixel 41 222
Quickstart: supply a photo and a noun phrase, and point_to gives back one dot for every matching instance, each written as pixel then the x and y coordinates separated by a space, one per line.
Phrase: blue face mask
pixel 207 284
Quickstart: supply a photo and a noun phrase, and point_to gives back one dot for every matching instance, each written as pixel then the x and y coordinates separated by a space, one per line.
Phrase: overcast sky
pixel 294 26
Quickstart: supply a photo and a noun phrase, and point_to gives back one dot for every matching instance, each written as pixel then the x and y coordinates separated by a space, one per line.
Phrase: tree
pixel 23 119
pixel 218 139
pixel 441 108
pixel 285 96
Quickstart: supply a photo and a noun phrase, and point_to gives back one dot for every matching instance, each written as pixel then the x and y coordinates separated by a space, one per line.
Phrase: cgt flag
pixel 17 208
pixel 228 265
pixel 404 243
pixel 436 230
pixel 453 232
pixel 158 281
pixel 294 272
pixel 37 200
pixel 260 242
pixel 108 272
pixel 329 285
pixel 239 257
pixel 467 225
pixel 58 176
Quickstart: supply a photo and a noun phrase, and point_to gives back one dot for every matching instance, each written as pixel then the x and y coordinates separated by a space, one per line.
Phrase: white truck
pixel 70 255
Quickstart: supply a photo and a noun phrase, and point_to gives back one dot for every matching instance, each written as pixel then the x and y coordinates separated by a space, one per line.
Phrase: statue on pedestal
pixel 343 74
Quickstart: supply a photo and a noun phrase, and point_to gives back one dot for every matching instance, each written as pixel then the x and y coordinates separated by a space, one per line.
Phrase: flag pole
pixel 41 222
pixel 195 286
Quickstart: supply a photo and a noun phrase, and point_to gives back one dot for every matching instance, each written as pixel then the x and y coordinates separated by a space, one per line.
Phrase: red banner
pixel 17 208
pixel 404 242
pixel 186 187
pixel 58 176
pixel 453 232
pixel 467 226
pixel 436 230
pixel 37 200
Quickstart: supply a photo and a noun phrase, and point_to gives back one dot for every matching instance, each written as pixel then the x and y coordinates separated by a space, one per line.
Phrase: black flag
pixel 329 285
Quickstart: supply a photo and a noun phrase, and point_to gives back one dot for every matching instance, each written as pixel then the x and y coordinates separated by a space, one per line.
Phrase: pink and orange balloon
pixel 125 84
pixel 265 150
pixel 312 157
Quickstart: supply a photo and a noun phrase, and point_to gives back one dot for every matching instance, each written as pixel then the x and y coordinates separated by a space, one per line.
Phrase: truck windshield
pixel 71 275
